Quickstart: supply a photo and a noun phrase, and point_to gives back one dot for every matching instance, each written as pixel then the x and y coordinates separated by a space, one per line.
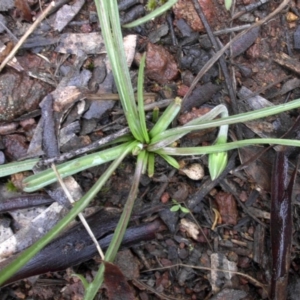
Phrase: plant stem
pixel 155 13
pixel 12 268
pixel 113 248
pixel 16 167
pixel 244 117
pixel 110 27
pixel 225 147
pixel 140 93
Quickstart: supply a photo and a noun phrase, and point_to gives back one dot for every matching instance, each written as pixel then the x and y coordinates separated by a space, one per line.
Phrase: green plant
pixel 10 186
pixel 152 4
pixel 177 206
pixel 228 4
pixel 143 143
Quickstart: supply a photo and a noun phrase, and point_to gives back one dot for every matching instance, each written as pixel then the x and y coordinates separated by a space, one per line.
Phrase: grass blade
pixel 120 229
pixel 225 147
pixel 151 164
pixel 170 160
pixel 44 178
pixel 155 13
pixel 166 118
pixel 244 117
pixel 140 93
pixel 110 27
pixel 16 167
pixel 79 206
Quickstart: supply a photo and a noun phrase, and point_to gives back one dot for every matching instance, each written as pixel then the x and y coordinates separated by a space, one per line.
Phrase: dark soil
pixel 232 218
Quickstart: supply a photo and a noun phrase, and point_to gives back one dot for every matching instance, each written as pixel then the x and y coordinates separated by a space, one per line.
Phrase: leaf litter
pixel 71 60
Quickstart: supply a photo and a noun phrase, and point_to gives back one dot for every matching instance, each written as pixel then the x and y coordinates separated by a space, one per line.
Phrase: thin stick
pixel 26 35
pixel 93 146
pixel 9 32
pixel 251 279
pixel 227 30
pixel 80 215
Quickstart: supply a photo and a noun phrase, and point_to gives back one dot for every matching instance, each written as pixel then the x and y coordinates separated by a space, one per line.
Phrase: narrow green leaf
pixel 140 94
pixel 44 178
pixel 244 117
pixel 165 143
pixel 157 142
pixel 151 164
pixel 185 210
pixel 228 4
pixel 120 229
pixel 220 109
pixel 145 164
pixel 78 207
pixel 155 114
pixel 16 167
pixel 224 147
pixel 166 118
pixel 155 13
pixel 82 279
pixel 110 27
pixel 217 163
pixel 170 160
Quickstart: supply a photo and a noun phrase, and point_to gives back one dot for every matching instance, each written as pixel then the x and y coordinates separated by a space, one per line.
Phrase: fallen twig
pixel 26 35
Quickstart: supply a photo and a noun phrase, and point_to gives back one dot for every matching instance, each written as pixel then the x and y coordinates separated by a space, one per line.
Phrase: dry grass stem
pixel 27 34
pixel 80 215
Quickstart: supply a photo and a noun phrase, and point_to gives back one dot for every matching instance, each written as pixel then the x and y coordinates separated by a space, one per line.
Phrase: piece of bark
pixel 24 10
pixel 259 169
pixel 200 95
pixel 259 245
pixel 287 62
pixel 281 225
pixel 116 284
pixel 50 143
pixel 227 208
pixel 75 246
pixel 219 279
pixel 15 146
pixel 19 93
pixel 244 42
pixel 65 15
pixel 24 201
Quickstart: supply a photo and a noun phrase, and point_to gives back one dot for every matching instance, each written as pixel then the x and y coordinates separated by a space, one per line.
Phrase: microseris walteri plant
pixel 144 142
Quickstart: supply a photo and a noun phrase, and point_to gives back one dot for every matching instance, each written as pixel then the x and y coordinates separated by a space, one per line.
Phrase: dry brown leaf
pixel 24 9
pixel 116 283
pixel 227 208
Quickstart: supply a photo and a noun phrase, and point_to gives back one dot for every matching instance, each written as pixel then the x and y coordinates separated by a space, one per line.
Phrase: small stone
pixel 194 171
pixel 291 17
pixel 165 197
pixel 160 64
